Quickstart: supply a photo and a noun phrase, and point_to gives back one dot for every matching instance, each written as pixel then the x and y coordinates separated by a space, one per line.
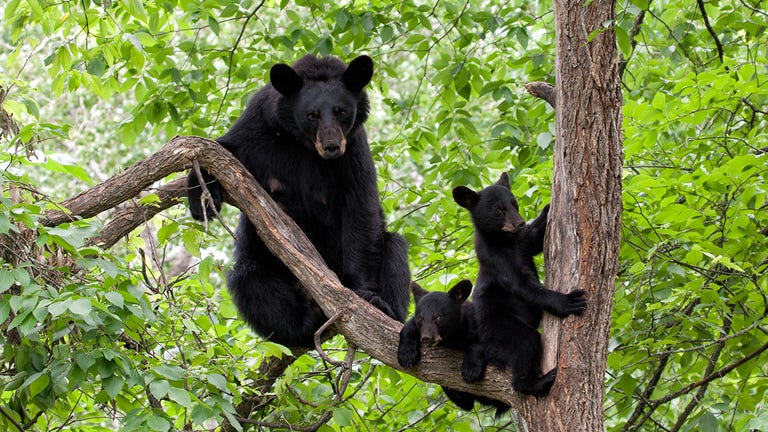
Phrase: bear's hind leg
pixel 525 366
pixel 463 400
pixel 275 305
pixel 528 381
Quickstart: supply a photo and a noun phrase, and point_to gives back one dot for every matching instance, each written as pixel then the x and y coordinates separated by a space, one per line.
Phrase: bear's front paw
pixel 576 302
pixel 572 303
pixel 377 302
pixel 408 356
pixel 472 372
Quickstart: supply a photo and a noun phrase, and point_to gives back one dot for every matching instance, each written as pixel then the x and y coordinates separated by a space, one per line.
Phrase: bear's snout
pixel 430 340
pixel 330 143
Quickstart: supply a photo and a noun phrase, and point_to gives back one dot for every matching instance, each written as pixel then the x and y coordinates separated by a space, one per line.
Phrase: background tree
pixel 143 335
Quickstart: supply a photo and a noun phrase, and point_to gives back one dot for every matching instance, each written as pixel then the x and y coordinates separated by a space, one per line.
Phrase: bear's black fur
pixel 445 319
pixel 302 138
pixel 508 297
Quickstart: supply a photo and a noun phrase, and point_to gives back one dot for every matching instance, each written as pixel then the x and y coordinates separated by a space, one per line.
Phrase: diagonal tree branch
pixel 362 324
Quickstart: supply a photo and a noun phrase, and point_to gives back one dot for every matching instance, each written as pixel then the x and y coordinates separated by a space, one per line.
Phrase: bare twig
pixel 632 40
pixel 318 340
pixel 206 198
pixel 269 371
pixel 10 418
pixel 232 55
pixel 544 91
pixel 711 31
pixel 205 194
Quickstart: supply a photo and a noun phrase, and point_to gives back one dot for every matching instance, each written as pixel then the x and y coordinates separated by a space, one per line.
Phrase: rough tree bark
pixel 583 234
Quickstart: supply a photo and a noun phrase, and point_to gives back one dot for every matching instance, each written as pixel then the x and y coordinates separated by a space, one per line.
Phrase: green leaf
pixel 708 423
pixel 159 388
pixel 5 311
pixel 81 307
pixel 97 66
pixel 74 170
pixel 115 298
pixel 215 28
pixel 112 385
pixel 167 231
pixel 191 240
pixel 58 308
pixel 172 373
pixel 180 396
pixel 343 416
pixel 157 423
pixel 36 383
pixel 136 8
pixel 218 381
pixel 6 280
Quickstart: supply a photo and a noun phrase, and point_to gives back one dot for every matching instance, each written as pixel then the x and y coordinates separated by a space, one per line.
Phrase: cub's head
pixel 438 314
pixel 326 99
pixel 493 209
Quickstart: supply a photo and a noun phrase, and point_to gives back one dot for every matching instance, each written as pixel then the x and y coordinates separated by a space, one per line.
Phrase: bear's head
pixel 325 98
pixel 438 314
pixel 494 209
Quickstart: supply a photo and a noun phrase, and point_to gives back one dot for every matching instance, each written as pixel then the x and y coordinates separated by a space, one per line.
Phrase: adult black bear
pixel 509 298
pixel 302 138
pixel 445 319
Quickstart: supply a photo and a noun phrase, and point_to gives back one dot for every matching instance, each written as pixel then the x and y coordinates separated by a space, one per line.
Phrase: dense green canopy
pixel 144 335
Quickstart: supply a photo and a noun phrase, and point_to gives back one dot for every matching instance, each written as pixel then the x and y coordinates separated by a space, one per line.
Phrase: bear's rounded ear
pixel 285 80
pixel 460 292
pixel 504 180
pixel 418 291
pixel 465 197
pixel 358 73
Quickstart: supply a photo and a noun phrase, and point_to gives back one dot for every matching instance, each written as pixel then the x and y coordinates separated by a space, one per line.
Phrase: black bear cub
pixel 445 319
pixel 509 298
pixel 302 138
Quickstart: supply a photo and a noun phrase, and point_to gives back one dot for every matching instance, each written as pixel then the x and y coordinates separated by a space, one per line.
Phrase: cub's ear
pixel 358 73
pixel 460 292
pixel 465 197
pixel 418 291
pixel 504 180
pixel 285 80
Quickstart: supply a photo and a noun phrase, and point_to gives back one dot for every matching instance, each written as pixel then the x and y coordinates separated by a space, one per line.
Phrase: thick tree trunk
pixel 585 219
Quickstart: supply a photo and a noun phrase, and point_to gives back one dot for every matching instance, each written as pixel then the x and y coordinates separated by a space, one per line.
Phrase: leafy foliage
pixel 144 336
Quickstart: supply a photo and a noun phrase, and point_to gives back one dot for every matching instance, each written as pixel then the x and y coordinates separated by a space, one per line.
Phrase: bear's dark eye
pixel 339 112
pixel 499 211
pixel 438 318
pixel 312 116
pixel 418 319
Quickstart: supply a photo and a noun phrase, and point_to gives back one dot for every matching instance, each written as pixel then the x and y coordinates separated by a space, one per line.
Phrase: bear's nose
pixel 332 150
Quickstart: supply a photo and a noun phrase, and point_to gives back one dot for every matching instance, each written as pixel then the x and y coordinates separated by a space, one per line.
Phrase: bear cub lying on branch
pixel 448 320
pixel 508 297
pixel 302 138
